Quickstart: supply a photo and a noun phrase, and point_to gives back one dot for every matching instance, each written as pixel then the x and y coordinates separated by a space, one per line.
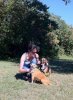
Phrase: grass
pixel 13 89
pixel 65 57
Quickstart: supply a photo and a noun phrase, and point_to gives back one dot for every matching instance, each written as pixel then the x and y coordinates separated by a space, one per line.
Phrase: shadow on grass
pixel 62 66
pixel 59 66
pixel 25 77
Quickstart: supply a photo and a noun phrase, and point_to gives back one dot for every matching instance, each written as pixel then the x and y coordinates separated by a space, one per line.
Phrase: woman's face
pixel 32 54
pixel 34 51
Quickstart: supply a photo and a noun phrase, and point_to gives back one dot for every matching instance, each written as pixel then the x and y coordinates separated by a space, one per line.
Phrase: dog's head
pixel 34 66
pixel 44 61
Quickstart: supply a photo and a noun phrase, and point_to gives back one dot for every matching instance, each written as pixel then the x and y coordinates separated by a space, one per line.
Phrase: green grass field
pixel 65 57
pixel 61 87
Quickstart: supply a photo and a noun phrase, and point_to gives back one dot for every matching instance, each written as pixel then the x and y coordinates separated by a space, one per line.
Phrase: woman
pixel 28 58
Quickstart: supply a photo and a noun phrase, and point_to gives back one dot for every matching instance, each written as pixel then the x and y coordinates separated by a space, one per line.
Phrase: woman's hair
pixel 33 46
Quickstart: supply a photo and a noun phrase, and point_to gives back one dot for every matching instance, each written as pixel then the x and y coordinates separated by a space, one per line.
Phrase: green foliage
pixel 2 34
pixel 63 33
pixel 25 21
pixel 61 51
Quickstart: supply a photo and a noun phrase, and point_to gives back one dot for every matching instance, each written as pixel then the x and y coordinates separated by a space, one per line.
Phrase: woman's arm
pixel 22 59
pixel 37 58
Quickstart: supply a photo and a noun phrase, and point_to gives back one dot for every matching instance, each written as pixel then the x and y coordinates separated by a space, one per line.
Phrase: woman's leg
pixel 26 73
pixel 24 70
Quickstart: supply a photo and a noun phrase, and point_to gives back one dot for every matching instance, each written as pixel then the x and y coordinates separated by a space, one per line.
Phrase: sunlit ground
pixel 61 87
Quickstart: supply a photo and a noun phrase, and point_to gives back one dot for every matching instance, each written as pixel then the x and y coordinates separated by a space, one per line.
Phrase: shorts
pixel 26 68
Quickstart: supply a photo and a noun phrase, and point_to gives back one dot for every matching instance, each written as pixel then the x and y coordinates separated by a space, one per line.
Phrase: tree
pixel 25 21
pixel 66 1
pixel 63 34
pixel 2 33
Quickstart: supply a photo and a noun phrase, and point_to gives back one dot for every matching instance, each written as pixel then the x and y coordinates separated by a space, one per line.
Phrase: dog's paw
pixel 46 74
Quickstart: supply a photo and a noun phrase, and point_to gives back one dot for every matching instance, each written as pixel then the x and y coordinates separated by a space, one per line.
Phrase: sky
pixel 59 8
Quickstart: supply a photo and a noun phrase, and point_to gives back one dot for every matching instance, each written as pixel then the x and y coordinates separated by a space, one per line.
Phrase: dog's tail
pixel 45 82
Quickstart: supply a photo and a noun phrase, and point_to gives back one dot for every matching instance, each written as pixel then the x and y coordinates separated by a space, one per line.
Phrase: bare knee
pixel 22 71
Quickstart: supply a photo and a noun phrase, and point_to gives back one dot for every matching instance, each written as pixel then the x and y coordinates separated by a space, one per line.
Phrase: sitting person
pixel 27 58
pixel 45 66
pixel 34 50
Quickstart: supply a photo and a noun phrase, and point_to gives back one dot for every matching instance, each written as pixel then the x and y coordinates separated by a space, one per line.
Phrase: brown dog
pixel 40 76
